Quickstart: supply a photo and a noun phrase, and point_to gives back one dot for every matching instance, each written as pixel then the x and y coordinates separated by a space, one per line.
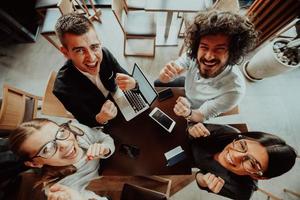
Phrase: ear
pixel 33 164
pixel 65 51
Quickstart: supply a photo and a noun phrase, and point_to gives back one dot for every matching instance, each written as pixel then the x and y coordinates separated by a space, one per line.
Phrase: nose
pixel 62 144
pixel 90 55
pixel 237 157
pixel 209 55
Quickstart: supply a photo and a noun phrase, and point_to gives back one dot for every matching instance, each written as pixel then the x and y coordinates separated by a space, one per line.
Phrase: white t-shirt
pixel 212 96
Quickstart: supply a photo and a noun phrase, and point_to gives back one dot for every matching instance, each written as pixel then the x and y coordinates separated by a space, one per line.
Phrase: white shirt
pixel 212 96
pixel 96 81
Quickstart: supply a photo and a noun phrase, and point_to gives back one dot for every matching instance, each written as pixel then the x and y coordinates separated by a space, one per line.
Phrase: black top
pixel 235 187
pixel 79 95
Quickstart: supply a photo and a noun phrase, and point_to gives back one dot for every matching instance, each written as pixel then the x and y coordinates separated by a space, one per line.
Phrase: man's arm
pixel 214 107
pixel 80 110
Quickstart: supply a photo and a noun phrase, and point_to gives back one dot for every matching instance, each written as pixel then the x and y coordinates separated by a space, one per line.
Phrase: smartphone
pixel 130 150
pixel 162 119
pixel 165 94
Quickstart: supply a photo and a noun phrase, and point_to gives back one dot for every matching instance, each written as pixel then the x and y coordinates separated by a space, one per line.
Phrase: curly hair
pixel 243 36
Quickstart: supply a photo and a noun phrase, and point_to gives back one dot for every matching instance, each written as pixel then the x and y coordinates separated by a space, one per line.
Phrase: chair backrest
pixel 133 192
pixel 17 106
pixel 66 6
pixel 118 8
pixel 227 5
pixel 51 105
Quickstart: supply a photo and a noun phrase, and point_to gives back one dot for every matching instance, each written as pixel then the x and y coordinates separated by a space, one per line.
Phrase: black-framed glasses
pixel 63 133
pixel 249 163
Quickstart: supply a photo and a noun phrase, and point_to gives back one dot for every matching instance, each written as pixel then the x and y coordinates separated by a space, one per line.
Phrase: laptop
pixel 133 103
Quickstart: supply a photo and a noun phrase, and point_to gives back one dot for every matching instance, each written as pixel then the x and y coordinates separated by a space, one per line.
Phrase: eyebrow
pixel 77 48
pixel 92 45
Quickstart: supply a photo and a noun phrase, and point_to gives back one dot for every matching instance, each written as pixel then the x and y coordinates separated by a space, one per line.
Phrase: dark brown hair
pixel 72 23
pixel 240 30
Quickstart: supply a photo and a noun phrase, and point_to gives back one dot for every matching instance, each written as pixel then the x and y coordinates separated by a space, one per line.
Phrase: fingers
pixel 198 130
pixel 59 192
pixel 184 101
pixel 96 150
pixel 182 107
pixel 178 68
pixel 168 73
pixel 124 81
pixel 109 110
pixel 214 183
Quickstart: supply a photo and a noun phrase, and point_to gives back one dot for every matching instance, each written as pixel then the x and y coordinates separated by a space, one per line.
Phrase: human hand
pixel 211 181
pixel 97 150
pixel 169 72
pixel 61 192
pixel 125 82
pixel 182 107
pixel 107 112
pixel 198 130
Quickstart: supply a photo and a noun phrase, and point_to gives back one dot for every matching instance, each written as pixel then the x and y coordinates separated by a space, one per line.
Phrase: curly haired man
pixel 216 41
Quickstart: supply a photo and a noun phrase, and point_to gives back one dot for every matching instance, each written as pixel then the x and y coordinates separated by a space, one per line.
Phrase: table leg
pixel 168 23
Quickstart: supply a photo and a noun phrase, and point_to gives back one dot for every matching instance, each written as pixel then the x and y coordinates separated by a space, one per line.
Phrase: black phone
pixel 165 94
pixel 130 150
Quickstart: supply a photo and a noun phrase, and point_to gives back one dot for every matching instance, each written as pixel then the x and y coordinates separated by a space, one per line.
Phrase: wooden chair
pixel 51 105
pixel 63 7
pixel 51 17
pixel 134 4
pixel 134 192
pixel 17 106
pixel 222 5
pixel 136 25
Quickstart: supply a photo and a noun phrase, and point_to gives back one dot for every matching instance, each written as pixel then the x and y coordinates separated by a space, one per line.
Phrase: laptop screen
pixel 145 87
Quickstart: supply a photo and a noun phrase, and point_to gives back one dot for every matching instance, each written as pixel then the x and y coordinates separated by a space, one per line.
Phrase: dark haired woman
pixel 230 162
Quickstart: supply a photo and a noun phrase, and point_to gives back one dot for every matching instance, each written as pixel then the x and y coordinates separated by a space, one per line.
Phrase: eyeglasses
pixel 64 131
pixel 249 163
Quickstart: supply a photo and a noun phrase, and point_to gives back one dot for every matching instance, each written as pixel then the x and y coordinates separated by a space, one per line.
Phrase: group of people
pixel 229 162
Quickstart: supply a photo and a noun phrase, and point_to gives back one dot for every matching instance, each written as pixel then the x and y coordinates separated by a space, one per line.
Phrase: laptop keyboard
pixel 135 100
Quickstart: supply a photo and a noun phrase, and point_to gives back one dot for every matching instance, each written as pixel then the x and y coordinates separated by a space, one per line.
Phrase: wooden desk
pixel 171 6
pixel 152 140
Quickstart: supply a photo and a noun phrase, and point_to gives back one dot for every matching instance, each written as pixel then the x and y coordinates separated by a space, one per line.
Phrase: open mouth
pixel 92 65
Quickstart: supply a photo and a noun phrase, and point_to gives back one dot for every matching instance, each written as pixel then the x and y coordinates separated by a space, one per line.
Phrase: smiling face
pixel 232 160
pixel 84 50
pixel 68 152
pixel 212 55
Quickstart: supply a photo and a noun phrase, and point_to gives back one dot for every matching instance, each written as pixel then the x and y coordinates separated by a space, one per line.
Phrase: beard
pixel 206 73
